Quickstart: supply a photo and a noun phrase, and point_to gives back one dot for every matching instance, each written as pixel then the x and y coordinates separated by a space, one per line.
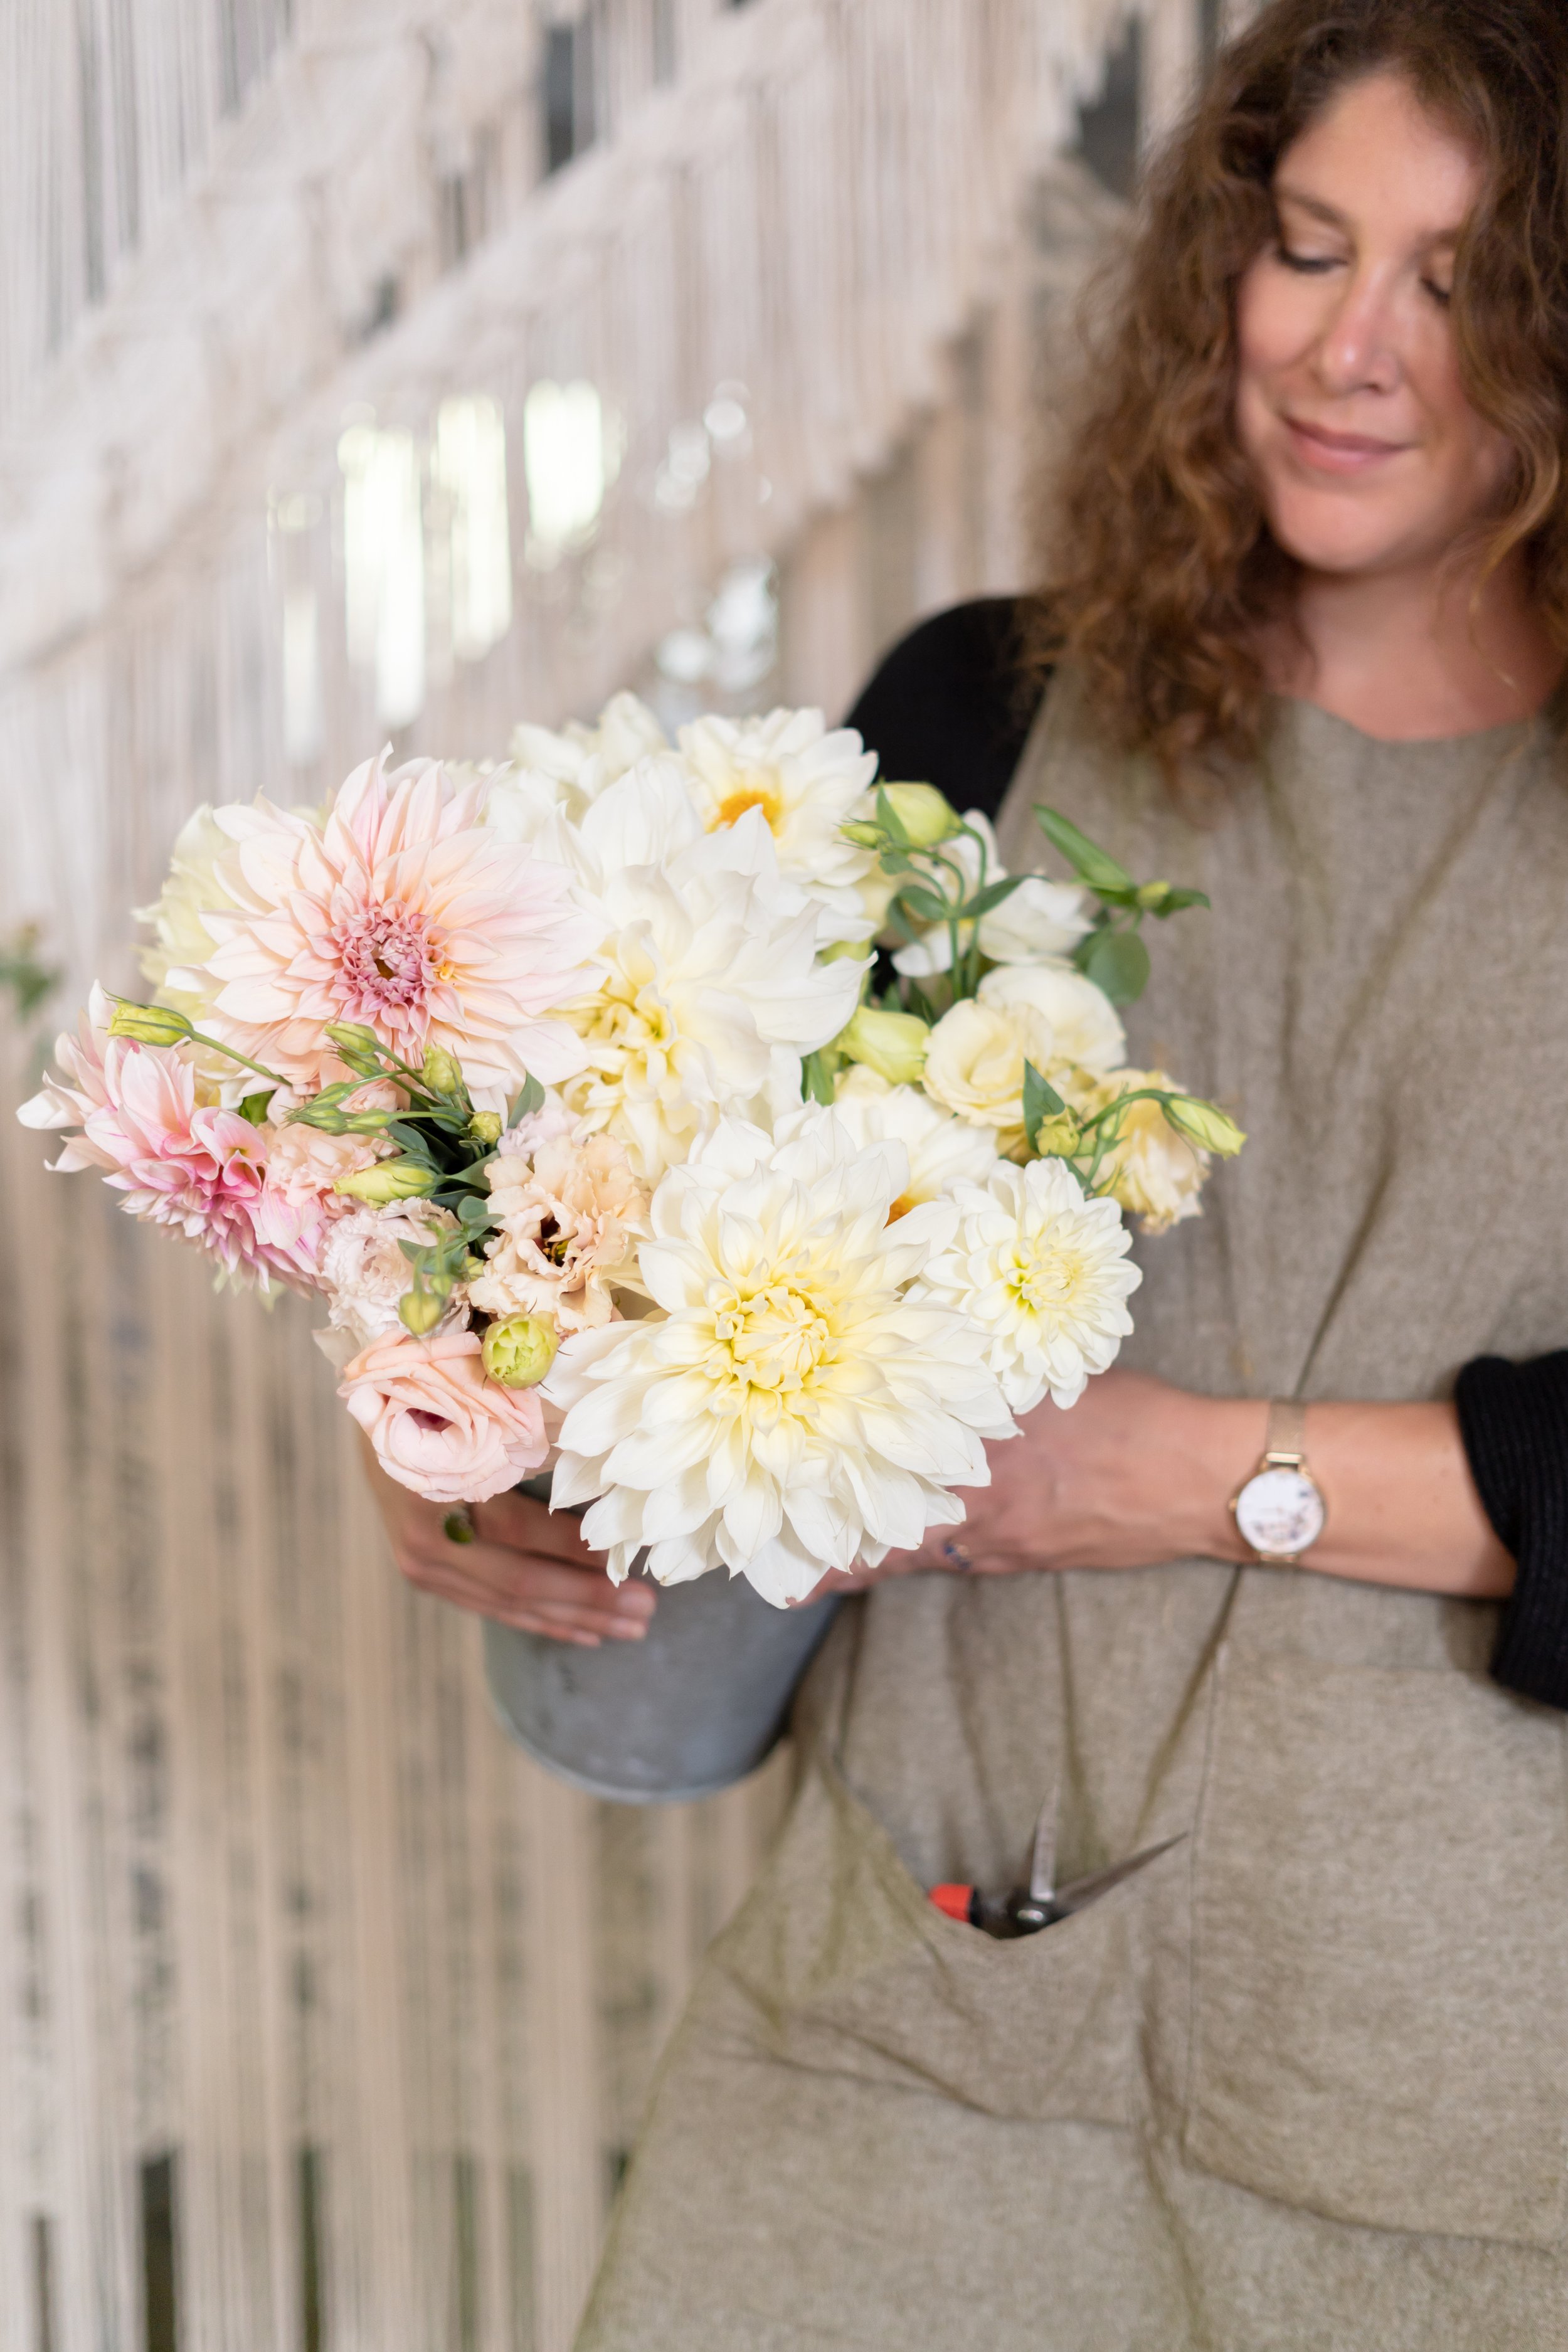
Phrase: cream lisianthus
pixel 569 1215
pixel 1154 1174
pixel 1085 1029
pixel 1044 1273
pixel 942 1150
pixel 710 988
pixel 975 1064
pixel 788 1411
pixel 804 780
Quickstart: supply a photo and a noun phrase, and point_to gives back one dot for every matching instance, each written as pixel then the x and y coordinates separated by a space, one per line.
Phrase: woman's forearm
pixel 1401 1506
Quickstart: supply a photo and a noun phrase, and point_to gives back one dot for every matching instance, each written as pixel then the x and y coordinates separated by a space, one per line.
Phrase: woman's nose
pixel 1357 350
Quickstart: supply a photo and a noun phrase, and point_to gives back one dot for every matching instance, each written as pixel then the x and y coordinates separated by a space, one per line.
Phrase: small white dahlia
pixel 804 780
pixel 399 910
pixel 942 1150
pixel 1044 1273
pixel 580 761
pixel 711 988
pixel 794 1407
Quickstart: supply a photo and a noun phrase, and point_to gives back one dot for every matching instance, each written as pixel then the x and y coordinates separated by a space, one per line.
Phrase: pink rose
pixel 438 1423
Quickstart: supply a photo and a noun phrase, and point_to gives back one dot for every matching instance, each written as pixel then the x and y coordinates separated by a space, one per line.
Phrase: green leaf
pixel 253 1108
pixel 1040 1102
pixel 530 1098
pixel 923 904
pixel 1088 861
pixel 1118 963
pixel 414 1142
pixel 889 820
pixel 1175 899
pixel 815 1084
pixel 474 1208
pixel 992 896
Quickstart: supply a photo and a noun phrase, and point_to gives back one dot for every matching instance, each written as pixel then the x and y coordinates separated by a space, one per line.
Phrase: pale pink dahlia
pixel 179 1160
pixel 404 912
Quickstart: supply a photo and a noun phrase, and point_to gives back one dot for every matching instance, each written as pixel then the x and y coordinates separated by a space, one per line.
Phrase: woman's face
pixel 1348 404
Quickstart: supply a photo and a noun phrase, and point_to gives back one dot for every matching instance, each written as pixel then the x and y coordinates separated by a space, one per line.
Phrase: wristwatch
pixel 1280 1510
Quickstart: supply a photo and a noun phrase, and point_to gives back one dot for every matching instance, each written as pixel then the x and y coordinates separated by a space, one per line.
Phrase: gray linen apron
pixel 1304 2080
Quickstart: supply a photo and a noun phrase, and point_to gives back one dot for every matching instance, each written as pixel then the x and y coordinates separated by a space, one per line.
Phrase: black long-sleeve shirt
pixel 949 706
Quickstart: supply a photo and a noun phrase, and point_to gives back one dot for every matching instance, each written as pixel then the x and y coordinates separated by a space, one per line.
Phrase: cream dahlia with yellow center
pixel 1043 1273
pixel 804 780
pixel 789 1408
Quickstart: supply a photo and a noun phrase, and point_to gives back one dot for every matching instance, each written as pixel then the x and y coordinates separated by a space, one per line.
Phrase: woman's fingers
pixel 525 1524
pixel 568 1598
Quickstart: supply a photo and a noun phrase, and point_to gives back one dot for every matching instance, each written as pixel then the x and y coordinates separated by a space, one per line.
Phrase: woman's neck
pixel 1404 656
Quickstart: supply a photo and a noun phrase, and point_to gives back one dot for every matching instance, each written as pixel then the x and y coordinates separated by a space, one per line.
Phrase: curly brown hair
pixel 1166 572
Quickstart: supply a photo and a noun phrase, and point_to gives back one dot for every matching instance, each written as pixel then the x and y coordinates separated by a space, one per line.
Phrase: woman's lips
pixel 1339 453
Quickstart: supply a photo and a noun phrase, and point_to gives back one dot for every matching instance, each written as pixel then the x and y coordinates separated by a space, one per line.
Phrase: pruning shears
pixel 1025 1910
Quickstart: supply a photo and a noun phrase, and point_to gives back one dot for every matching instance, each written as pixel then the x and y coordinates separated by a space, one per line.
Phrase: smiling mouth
pixel 1339 453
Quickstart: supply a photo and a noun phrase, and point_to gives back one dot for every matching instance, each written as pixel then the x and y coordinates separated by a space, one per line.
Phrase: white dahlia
pixel 576 764
pixel 397 910
pixel 803 781
pixel 1043 1273
pixel 942 1150
pixel 711 989
pixel 794 1408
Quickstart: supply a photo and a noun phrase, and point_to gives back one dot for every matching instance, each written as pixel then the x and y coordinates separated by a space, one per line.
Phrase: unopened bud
pixel 485 1127
pixel 1204 1124
pixel 420 1311
pixel 1060 1138
pixel 519 1350
pixel 892 1043
pixel 352 1037
pixel 440 1071
pixel 926 815
pixel 150 1024
pixel 390 1180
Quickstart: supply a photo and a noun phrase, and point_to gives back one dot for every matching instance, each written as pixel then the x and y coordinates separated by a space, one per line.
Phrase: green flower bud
pixel 150 1024
pixel 519 1350
pixel 485 1127
pixel 926 815
pixel 1204 1124
pixel 354 1038
pixel 420 1311
pixel 1060 1138
pixel 440 1072
pixel 892 1043
pixel 390 1180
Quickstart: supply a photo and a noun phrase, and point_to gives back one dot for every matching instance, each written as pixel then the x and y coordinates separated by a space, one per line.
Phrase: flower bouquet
pixel 578 1089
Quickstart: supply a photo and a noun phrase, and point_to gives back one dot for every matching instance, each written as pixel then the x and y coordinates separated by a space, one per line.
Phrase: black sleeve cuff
pixel 952 705
pixel 1513 1419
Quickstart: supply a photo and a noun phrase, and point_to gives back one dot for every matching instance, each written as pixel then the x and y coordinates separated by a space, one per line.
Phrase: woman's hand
pixel 526 1567
pixel 1139 1473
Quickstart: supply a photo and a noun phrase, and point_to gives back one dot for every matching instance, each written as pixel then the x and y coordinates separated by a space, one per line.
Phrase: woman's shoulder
pixel 953 703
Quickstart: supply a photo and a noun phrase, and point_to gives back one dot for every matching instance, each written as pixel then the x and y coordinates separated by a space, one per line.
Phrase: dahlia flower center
pixel 633 1019
pixel 1045 1280
pixel 758 788
pixel 387 962
pixel 774 1337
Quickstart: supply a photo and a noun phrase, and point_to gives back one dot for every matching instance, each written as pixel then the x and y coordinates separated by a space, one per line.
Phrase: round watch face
pixel 1279 1512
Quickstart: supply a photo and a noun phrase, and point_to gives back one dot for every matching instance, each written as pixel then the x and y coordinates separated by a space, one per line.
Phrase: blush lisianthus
pixel 438 1423
pixel 365 1273
pixel 1043 1273
pixel 399 910
pixel 711 987
pixel 569 1215
pixel 804 780
pixel 792 1409
pixel 147 1118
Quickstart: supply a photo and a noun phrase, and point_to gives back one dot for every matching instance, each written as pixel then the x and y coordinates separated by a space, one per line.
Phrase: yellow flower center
pixel 1047 1281
pixel 757 789
pixel 773 1338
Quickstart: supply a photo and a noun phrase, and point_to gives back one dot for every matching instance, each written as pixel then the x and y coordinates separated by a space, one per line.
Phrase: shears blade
pixel 1085 1891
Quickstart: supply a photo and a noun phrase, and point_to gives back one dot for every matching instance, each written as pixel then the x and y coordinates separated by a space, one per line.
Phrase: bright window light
pixel 384 566
pixel 469 462
pixel 569 464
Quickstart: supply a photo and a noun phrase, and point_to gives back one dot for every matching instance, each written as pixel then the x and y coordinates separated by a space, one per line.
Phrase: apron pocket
pixel 1381 2026
pixel 849 1969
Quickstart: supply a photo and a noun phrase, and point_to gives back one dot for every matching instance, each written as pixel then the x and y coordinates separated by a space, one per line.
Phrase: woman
pixel 1304 2079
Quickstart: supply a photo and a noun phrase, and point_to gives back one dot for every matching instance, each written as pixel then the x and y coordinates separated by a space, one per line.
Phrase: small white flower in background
pixel 710 988
pixel 975 1064
pixel 579 762
pixel 1153 1172
pixel 1085 1027
pixel 804 780
pixel 1039 921
pixel 942 1150
pixel 1044 1273
pixel 790 1409
pixel 365 1272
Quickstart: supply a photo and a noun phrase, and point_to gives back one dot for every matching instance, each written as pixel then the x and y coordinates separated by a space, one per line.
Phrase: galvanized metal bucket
pixel 700 1701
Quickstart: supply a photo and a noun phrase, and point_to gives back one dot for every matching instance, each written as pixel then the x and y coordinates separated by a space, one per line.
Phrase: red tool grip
pixel 956 1901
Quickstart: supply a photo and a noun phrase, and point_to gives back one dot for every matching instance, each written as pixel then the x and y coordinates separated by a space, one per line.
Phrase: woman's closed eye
pixel 1311 265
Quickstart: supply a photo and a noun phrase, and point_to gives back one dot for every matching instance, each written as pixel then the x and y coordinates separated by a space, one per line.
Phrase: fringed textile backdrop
pixel 401 369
